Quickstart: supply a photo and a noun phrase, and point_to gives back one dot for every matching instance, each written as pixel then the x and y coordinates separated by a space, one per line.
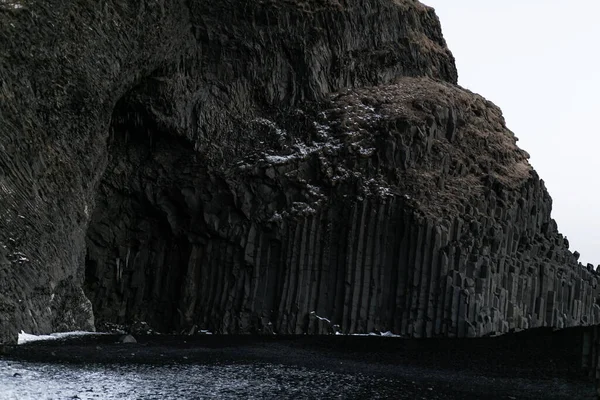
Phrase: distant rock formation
pixel 256 166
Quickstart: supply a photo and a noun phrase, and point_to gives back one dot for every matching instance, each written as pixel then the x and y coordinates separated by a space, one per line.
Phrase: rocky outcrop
pixel 409 209
pixel 262 166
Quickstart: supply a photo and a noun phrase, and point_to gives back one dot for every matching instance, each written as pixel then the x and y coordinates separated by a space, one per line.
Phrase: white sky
pixel 539 61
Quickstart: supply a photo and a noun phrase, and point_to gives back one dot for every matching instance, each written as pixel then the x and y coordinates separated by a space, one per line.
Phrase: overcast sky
pixel 539 61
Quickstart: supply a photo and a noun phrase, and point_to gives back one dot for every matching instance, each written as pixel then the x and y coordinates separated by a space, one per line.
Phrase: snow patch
pixel 367 152
pixel 11 4
pixel 276 217
pixel 270 124
pixel 301 151
pixel 382 334
pixel 300 208
pixel 375 187
pixel 314 314
pixel 28 337
pixel 280 159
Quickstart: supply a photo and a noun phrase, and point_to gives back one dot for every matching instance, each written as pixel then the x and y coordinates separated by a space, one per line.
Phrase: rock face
pixel 264 166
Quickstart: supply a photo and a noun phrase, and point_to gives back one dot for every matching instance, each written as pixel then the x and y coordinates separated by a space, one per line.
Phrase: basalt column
pixel 215 68
pixel 264 166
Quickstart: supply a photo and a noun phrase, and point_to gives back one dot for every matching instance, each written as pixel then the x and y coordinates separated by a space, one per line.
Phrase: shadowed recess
pixel 138 240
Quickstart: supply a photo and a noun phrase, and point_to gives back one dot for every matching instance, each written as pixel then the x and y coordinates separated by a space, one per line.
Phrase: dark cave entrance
pixel 146 215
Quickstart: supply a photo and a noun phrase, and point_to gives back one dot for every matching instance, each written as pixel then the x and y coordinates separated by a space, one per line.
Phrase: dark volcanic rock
pixel 264 166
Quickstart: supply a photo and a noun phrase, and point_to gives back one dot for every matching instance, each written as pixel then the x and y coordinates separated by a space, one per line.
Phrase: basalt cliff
pixel 262 166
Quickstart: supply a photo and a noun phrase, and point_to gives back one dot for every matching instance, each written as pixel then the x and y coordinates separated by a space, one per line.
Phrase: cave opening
pixel 146 215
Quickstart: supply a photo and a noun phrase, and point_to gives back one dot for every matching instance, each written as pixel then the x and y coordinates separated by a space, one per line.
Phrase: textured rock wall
pixel 264 166
pixel 197 69
pixel 411 211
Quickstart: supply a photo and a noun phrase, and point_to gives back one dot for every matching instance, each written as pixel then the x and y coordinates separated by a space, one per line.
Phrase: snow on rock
pixel 383 334
pixel 389 334
pixel 379 334
pixel 11 4
pixel 313 313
